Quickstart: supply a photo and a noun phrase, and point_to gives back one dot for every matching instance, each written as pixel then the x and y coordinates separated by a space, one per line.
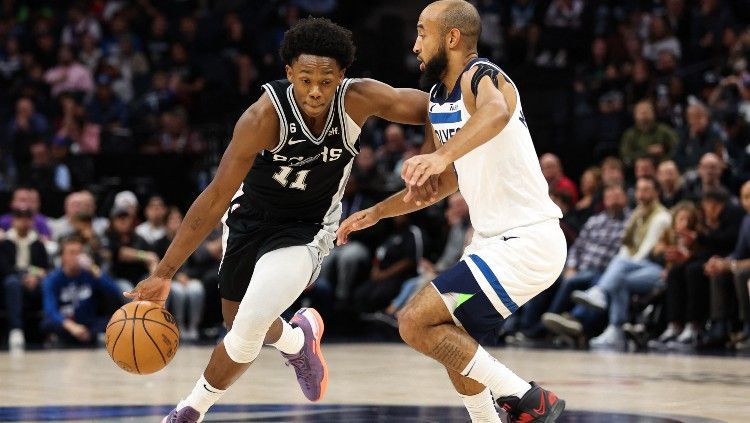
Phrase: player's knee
pixel 241 349
pixel 409 326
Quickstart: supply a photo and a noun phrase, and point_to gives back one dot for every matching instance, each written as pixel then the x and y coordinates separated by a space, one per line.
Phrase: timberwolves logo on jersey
pixel 303 177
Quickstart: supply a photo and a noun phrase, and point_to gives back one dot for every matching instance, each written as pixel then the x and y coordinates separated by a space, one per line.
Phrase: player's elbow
pixel 501 114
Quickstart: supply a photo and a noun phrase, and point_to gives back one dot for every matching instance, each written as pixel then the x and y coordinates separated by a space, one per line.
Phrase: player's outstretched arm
pixel 492 113
pixel 369 97
pixel 257 129
pixel 394 205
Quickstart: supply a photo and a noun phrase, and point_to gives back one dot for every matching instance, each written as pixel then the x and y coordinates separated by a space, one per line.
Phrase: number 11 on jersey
pixel 282 177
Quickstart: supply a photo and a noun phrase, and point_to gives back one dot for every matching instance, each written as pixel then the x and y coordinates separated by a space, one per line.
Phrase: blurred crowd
pixel 640 110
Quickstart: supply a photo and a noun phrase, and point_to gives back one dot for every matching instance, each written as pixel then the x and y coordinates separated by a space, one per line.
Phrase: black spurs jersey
pixel 302 179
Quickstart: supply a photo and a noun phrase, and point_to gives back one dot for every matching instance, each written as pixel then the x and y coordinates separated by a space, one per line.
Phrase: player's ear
pixel 453 37
pixel 289 72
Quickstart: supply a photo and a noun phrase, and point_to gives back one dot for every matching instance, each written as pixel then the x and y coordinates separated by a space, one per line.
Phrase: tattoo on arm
pixel 449 353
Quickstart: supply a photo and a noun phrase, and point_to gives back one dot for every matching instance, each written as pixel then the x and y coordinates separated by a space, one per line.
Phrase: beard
pixel 434 70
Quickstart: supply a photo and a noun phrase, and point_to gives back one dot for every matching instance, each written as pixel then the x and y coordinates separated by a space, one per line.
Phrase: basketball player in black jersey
pixel 278 187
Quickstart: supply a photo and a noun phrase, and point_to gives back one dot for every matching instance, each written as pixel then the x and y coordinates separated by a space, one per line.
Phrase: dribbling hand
pixel 153 288
pixel 358 221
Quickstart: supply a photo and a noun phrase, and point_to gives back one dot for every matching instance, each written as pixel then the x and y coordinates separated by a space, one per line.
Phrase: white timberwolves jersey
pixel 501 179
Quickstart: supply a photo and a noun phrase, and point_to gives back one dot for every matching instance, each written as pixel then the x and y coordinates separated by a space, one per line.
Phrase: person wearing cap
pixel 129 254
pixel 126 200
pixel 26 198
pixel 23 264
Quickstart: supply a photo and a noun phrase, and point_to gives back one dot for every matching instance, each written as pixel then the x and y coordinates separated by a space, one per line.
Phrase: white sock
pixel 491 373
pixel 481 407
pixel 203 396
pixel 291 339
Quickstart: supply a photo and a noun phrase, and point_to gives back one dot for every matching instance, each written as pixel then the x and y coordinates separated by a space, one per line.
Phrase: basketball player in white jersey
pixel 484 150
pixel 278 188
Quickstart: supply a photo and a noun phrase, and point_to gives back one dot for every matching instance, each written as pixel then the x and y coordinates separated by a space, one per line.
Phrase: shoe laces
pixel 301 367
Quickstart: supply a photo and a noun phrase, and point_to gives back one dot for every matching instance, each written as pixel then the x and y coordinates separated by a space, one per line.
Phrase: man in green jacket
pixel 647 137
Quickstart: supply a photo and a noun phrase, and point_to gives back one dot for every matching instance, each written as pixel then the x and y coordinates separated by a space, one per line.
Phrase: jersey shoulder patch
pixel 484 69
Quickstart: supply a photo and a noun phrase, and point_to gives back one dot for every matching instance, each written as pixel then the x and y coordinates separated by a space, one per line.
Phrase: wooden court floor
pixel 687 388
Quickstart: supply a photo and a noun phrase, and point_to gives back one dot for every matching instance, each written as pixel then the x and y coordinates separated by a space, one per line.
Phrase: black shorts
pixel 247 241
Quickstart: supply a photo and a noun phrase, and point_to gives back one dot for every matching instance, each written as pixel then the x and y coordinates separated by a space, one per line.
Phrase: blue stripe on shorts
pixel 494 283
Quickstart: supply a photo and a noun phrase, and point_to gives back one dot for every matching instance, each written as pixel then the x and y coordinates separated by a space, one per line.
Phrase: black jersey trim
pixel 505 75
pixel 343 118
pixel 282 118
pixel 297 114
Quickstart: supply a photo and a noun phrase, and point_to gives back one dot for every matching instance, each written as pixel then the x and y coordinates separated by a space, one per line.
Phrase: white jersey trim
pixel 282 119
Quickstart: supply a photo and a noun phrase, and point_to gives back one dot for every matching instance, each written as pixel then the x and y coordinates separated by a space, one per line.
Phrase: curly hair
pixel 318 37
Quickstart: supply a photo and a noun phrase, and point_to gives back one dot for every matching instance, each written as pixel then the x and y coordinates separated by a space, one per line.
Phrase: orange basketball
pixel 142 337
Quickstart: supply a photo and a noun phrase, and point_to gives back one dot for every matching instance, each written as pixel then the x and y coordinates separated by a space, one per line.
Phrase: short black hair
pixel 318 37
pixel 718 195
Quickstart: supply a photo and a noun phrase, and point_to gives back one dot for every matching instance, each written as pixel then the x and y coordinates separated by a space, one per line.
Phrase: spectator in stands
pixel 44 174
pixel 591 194
pixel 647 136
pixel 710 170
pixel 129 254
pixel 90 53
pixel 671 183
pixel 738 140
pixel 80 25
pixel 395 262
pixel 187 296
pixel 369 174
pixel 69 127
pixel 553 173
pixel 74 295
pixel 204 266
pixel 155 226
pixel 660 39
pixel 26 198
pixel 698 138
pixel 132 64
pixel 687 286
pixel 69 75
pixel 157 42
pixel 630 271
pixel 599 241
pixel 570 222
pixel 23 265
pixel 707 27
pixel 645 167
pixel 728 270
pixel 176 136
pixel 63 225
pixel 88 207
pixel 389 155
pixel 25 128
pixel 126 200
pixel 107 111
pixel 613 172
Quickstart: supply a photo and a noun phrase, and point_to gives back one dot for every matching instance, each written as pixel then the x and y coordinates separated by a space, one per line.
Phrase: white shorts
pixel 514 267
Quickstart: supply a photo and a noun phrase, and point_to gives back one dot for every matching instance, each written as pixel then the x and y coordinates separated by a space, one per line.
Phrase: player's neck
pixel 456 68
pixel 316 124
